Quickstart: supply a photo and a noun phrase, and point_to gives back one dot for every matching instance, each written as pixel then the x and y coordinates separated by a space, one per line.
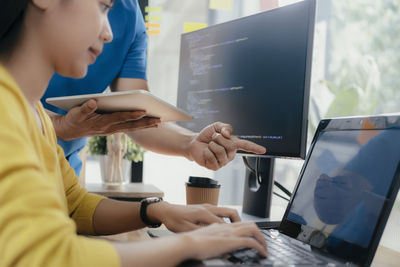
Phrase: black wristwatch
pixel 143 211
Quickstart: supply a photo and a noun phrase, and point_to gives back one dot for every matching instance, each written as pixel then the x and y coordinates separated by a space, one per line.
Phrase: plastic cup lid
pixel 196 181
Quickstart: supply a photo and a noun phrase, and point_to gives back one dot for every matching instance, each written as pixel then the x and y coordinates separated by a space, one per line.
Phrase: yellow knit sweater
pixel 42 206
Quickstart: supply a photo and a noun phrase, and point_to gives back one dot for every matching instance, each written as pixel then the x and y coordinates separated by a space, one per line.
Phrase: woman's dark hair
pixel 12 14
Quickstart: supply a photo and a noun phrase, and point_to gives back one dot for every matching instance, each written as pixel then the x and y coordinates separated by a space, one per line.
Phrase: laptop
pixel 342 199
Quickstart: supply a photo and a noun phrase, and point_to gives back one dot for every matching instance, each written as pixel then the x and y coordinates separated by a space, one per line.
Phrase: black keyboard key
pixel 245 256
pixel 280 251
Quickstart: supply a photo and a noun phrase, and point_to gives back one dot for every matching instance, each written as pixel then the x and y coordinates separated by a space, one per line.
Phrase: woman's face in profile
pixel 73 33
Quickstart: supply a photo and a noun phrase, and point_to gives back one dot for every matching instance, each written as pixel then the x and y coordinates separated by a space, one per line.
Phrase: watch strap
pixel 143 211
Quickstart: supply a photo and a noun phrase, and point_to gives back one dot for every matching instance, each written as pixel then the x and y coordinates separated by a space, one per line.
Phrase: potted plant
pixel 116 172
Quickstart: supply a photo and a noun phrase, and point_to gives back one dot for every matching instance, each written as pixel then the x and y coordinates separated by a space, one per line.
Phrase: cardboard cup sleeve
pixel 201 190
pixel 200 195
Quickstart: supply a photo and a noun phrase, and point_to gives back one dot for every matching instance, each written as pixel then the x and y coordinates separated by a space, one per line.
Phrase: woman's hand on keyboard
pixel 182 218
pixel 217 239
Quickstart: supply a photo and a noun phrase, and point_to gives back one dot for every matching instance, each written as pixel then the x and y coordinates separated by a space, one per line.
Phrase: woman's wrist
pixel 188 244
pixel 185 145
pixel 167 251
pixel 156 211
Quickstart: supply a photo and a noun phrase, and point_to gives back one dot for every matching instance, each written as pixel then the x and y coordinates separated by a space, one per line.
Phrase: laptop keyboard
pixel 280 251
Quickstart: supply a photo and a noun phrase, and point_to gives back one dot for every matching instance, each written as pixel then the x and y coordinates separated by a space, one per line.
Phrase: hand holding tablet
pixel 124 101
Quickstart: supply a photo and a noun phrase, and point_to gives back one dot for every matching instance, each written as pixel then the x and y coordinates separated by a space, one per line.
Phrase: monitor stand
pixel 257 197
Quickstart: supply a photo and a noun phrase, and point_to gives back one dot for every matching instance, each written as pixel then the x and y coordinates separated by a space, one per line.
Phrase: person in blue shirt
pixel 122 66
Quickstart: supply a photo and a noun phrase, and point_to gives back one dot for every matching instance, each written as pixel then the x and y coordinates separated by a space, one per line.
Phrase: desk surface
pixel 131 190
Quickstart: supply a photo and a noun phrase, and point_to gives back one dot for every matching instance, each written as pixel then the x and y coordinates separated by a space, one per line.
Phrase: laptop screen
pixel 343 189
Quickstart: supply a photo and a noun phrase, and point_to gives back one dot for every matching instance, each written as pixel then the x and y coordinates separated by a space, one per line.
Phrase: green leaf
pixel 97 145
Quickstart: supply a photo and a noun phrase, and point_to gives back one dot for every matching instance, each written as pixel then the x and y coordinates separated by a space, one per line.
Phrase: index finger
pixel 249 146
pixel 252 230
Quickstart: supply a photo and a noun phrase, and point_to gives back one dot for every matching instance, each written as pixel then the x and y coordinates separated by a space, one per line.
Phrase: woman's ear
pixel 41 4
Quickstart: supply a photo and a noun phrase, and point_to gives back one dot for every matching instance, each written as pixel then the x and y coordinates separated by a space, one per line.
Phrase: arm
pixel 34 223
pixel 178 139
pixel 112 216
pixel 213 147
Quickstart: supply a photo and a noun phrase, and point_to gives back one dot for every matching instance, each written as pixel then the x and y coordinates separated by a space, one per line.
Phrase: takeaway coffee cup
pixel 201 190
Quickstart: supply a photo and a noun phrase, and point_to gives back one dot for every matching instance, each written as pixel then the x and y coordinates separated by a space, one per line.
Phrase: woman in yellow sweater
pixel 42 208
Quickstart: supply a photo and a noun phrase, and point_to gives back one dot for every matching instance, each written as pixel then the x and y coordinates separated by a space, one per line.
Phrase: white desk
pixel 130 192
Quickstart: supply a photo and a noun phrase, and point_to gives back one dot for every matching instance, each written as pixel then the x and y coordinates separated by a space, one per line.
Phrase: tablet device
pixel 124 101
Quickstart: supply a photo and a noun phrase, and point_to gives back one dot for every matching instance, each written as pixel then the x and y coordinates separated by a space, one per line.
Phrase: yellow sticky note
pixel 153 32
pixel 221 4
pixel 152 18
pixel 190 26
pixel 149 9
pixel 152 25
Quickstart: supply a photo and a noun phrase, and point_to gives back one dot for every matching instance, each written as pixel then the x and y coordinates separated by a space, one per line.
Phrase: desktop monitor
pixel 253 73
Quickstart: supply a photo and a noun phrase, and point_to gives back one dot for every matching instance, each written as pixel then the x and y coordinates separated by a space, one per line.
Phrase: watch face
pixel 153 199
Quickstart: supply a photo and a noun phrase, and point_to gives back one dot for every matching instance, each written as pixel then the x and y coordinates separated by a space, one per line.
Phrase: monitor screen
pixel 346 178
pixel 252 73
pixel 341 196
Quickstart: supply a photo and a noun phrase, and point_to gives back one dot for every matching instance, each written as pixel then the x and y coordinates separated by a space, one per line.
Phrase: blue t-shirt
pixel 124 57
